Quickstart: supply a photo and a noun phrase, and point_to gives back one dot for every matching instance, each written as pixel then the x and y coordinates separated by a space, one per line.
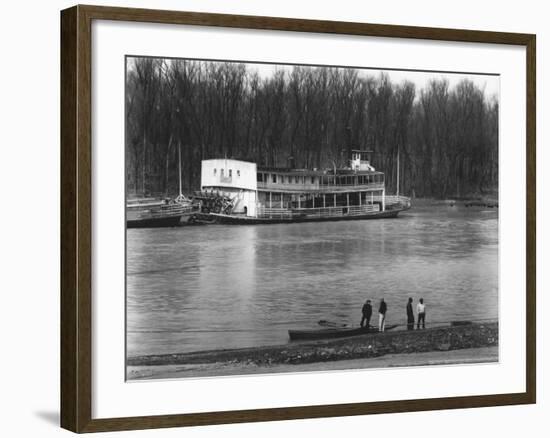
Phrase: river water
pixel 221 286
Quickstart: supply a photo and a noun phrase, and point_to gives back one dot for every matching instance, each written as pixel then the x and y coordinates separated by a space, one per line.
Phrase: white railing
pixel 317 188
pixel 340 211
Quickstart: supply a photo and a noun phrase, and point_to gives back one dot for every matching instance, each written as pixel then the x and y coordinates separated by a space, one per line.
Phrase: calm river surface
pixel 221 286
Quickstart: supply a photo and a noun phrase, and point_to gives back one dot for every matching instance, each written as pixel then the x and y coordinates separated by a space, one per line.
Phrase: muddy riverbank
pixel 466 356
pixel 358 347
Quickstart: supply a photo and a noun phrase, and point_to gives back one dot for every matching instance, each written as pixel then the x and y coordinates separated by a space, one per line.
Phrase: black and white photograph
pixel 287 218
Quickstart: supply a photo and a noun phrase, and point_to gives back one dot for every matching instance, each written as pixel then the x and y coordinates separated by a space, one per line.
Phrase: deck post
pixel 383 199
pixel 270 201
pixel 299 197
pixel 282 197
pixel 324 200
pixel 313 198
pixel 334 194
pixel 347 199
pixel 360 194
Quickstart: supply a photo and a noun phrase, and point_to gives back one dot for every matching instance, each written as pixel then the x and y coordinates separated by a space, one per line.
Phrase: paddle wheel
pixel 214 202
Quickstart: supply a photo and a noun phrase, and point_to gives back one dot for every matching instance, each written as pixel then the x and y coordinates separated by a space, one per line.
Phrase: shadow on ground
pixel 51 417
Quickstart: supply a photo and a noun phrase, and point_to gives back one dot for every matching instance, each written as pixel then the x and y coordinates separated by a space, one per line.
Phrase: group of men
pixel 383 308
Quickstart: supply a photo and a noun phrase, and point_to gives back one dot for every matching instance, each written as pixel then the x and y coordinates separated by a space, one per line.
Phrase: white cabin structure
pixel 356 190
pixel 235 179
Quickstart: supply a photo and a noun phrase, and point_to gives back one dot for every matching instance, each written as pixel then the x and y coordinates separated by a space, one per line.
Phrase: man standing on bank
pixel 367 313
pixel 421 309
pixel 382 315
pixel 410 315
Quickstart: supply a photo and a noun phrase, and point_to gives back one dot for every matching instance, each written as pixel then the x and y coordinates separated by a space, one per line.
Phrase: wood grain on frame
pixel 76 238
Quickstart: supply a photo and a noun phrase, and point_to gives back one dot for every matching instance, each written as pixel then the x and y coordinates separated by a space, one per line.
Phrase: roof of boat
pixel 303 172
pixel 316 172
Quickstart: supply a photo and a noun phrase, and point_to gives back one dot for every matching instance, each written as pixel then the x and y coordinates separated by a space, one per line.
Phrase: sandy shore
pixel 464 356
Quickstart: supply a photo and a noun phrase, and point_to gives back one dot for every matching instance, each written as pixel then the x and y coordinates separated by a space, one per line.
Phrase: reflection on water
pixel 222 286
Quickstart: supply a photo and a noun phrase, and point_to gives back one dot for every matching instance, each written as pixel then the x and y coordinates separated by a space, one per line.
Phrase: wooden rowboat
pixel 333 332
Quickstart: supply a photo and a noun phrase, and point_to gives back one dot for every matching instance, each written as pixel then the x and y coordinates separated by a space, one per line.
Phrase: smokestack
pixel 291 164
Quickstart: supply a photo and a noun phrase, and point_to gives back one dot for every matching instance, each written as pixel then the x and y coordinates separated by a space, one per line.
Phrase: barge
pixel 155 213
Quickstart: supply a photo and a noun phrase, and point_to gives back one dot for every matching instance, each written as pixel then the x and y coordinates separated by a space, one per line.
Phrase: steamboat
pixel 259 195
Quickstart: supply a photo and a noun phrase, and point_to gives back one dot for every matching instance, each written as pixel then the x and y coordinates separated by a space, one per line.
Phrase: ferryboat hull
pixel 236 219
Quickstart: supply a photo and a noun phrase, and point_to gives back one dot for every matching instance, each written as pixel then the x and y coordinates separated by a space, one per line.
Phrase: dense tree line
pixel 446 138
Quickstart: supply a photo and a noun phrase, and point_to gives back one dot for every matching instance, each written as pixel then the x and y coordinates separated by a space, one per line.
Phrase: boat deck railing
pixel 283 213
pixel 317 188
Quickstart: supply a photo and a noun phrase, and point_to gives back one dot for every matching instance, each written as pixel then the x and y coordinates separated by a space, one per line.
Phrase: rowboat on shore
pixel 333 332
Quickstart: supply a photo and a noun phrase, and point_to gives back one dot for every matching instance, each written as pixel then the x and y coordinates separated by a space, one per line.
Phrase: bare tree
pixel 447 138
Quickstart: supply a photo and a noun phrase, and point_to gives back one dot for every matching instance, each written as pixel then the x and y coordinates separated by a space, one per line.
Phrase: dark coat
pixel 367 310
pixel 410 313
pixel 383 308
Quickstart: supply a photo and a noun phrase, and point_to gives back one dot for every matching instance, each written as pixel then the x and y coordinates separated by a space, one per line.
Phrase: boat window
pixel 295 180
pixel 238 173
pixel 312 180
pixel 221 172
pixel 230 173
pixel 214 171
pixel 273 177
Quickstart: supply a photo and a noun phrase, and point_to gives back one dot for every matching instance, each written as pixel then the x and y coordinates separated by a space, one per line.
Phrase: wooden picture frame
pixel 76 217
